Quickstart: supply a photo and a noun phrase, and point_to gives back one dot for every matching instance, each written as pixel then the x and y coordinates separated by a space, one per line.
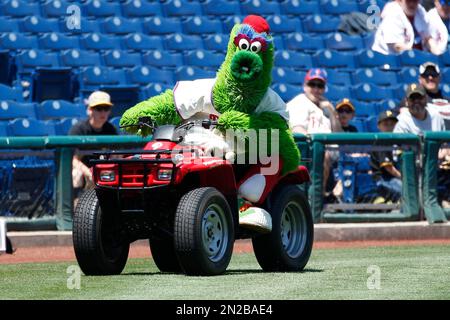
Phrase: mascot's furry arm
pixel 160 108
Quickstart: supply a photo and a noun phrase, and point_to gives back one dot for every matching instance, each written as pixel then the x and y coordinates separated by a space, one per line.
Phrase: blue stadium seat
pixel 284 24
pixel 364 4
pixel 84 26
pixel 445 90
pixel 98 41
pixel 339 78
pixel 93 77
pixel 57 41
pixel 141 9
pixel 368 39
pixel 229 22
pixel 415 58
pixel 387 104
pixel 142 42
pixel 444 59
pixel 337 7
pixel 8 67
pixel 260 7
pixel 409 75
pixel 335 92
pixel 216 42
pixel 10 93
pixel 192 73
pixel 35 24
pixel 27 61
pixel 159 58
pixel 101 8
pixel 300 8
pixel 3 133
pixel 181 8
pixel 54 8
pixel 371 92
pixel 333 59
pixel 18 8
pixel 202 25
pixel 303 42
pixel 80 58
pixel 341 41
pixel 287 75
pixel 180 42
pixel 30 127
pixel 12 110
pixel 53 84
pixel 364 109
pixel 292 59
pixel 372 59
pixel 375 76
pixel 361 126
pixel 57 109
pixel 286 91
pixel 278 42
pixel 63 126
pixel 203 58
pixel 321 24
pixel 123 97
pixel 117 25
pixel 17 41
pixel 116 123
pixel 445 75
pixel 8 25
pixel 154 89
pixel 221 8
pixel 143 75
pixel 161 25
pixel 118 59
pixel 400 91
pixel 371 123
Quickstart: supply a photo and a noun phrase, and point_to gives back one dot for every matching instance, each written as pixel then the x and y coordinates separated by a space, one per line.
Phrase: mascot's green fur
pixel 241 83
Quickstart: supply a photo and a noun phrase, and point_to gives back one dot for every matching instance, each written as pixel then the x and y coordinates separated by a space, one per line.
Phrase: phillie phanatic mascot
pixel 240 98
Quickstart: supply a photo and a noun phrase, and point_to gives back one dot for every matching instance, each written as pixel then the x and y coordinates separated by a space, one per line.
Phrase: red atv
pixel 186 204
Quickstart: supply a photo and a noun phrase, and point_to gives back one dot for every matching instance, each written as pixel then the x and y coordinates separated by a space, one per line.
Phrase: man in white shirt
pixel 439 21
pixel 404 27
pixel 418 118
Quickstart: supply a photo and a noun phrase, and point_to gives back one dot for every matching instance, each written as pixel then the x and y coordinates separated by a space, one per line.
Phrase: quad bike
pixel 187 209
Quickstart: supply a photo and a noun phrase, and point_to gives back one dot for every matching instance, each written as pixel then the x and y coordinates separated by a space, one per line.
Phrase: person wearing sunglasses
pixel 98 110
pixel 346 112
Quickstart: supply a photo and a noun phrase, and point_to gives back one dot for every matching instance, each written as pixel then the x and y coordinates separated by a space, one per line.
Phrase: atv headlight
pixel 107 175
pixel 164 174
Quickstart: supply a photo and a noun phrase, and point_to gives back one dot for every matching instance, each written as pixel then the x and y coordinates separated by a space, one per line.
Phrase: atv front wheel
pixel 288 247
pixel 204 232
pixel 95 239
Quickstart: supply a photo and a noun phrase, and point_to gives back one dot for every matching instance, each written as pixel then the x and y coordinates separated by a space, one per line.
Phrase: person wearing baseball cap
pixel 418 118
pixel 98 110
pixel 383 163
pixel 346 111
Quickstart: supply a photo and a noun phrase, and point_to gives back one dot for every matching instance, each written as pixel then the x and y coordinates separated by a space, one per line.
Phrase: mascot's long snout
pixel 246 66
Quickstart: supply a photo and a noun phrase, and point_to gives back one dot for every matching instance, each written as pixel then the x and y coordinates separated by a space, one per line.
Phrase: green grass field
pixel 406 272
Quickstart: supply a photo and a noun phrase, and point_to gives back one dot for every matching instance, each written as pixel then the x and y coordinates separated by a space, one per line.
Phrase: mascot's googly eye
pixel 244 44
pixel 256 46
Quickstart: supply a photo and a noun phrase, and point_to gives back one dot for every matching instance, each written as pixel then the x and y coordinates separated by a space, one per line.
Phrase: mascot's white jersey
pixel 192 97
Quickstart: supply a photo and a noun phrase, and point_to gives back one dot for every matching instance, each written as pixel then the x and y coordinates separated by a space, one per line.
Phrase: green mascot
pixel 240 98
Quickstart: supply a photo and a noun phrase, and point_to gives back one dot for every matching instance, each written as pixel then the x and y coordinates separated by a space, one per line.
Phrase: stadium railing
pixel 432 143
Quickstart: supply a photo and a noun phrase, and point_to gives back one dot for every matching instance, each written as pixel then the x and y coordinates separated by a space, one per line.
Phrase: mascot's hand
pixel 233 120
pixel 130 122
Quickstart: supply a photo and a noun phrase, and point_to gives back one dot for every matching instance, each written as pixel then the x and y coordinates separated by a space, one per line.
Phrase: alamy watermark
pixel 73 20
pixel 374 280
pixel 74 279
pixel 374 19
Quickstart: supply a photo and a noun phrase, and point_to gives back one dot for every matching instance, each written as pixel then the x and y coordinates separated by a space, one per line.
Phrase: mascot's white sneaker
pixel 256 219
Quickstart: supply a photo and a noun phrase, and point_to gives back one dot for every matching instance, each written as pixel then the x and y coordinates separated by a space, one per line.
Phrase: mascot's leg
pixel 251 190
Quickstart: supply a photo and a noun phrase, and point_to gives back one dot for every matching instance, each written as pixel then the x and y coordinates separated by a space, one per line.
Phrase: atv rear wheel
pixel 95 239
pixel 288 247
pixel 204 232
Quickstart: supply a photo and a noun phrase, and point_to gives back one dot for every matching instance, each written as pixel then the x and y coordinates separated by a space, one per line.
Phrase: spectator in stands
pixel 404 26
pixel 418 118
pixel 346 112
pixel 310 112
pixel 439 20
pixel 98 109
pixel 430 78
pixel 383 163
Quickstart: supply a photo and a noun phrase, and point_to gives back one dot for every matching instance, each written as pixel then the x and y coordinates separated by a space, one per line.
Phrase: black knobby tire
pixel 288 247
pixel 97 249
pixel 204 232
pixel 163 253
